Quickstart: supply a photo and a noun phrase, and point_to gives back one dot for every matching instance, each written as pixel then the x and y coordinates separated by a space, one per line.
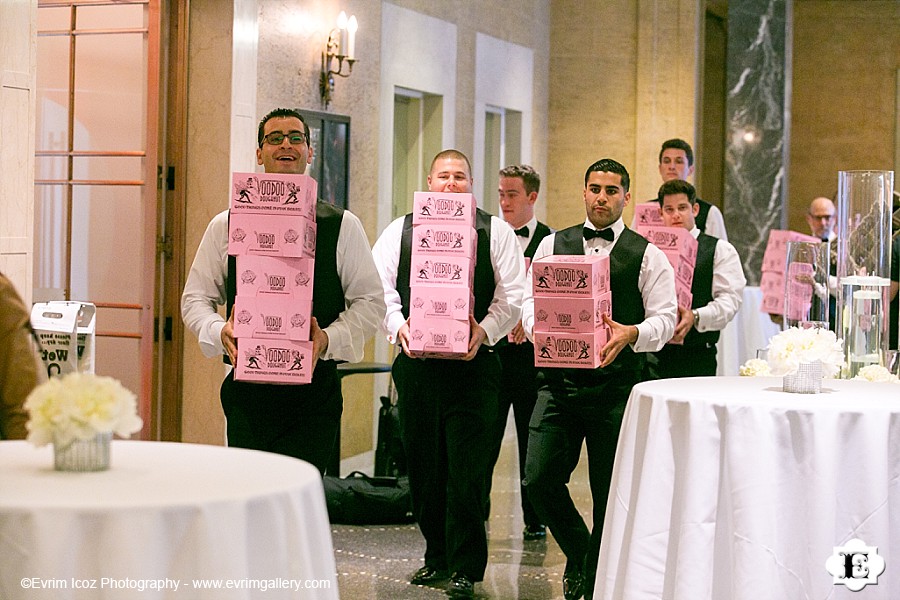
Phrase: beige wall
pixel 844 109
pixel 18 63
pixel 623 80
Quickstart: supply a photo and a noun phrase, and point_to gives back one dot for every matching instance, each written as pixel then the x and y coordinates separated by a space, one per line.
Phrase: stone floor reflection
pixel 376 562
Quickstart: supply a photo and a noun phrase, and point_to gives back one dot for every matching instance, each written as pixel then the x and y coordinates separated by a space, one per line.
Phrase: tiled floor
pixel 376 562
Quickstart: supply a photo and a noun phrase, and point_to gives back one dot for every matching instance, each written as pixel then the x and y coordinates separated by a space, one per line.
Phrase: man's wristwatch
pixel 696 319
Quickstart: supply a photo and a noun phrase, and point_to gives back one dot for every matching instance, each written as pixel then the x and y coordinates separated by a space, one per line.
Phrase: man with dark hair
pixel 717 291
pixel 448 407
pixel 581 405
pixel 519 187
pixel 676 161
pixel 348 303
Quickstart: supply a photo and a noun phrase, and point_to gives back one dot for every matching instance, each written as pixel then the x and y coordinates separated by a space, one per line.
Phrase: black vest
pixel 700 219
pixel 701 288
pixel 540 232
pixel 328 294
pixel 484 270
pixel 624 270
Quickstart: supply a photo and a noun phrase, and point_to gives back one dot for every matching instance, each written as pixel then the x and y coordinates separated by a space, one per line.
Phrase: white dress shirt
pixel 204 291
pixel 656 283
pixel 525 240
pixel 509 279
pixel 727 287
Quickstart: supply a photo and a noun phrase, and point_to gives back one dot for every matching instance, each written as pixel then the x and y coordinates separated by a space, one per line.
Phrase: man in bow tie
pixel 581 405
pixel 518 190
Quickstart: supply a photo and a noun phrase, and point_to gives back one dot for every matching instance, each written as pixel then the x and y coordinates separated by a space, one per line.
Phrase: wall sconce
pixel 341 45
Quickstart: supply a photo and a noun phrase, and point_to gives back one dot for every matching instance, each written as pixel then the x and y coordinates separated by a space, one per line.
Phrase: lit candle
pixel 352 26
pixel 342 37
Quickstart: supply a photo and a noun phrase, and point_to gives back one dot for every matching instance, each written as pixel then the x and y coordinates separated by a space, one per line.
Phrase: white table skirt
pixel 164 511
pixel 729 488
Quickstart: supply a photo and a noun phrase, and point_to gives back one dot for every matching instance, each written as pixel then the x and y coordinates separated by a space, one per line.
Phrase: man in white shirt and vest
pixel 447 407
pixel 348 304
pixel 580 405
pixel 518 192
pixel 717 290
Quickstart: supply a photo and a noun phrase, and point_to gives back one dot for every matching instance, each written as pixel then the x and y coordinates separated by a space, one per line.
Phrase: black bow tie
pixel 522 231
pixel 607 234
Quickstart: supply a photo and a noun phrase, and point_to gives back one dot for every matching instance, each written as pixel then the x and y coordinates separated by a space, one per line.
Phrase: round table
pixel 167 520
pixel 727 487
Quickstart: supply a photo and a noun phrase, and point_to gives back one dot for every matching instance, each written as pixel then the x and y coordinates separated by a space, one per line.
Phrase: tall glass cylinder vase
pixel 806 289
pixel 863 265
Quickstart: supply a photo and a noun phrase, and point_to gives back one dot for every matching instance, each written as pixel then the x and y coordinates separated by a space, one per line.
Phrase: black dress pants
pixel 446 410
pixel 296 420
pixel 675 360
pixel 569 414
pixel 518 389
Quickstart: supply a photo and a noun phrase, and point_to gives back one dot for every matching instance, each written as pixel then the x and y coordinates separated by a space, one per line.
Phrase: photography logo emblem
pixel 855 565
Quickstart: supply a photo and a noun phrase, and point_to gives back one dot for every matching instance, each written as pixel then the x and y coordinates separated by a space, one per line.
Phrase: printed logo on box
pixel 437 270
pixel 438 338
pixel 271 235
pixel 273 362
pixel 457 240
pixel 274 193
pixel 440 302
pixel 263 275
pixel 571 315
pixel 432 207
pixel 570 350
pixel 272 317
pixel 647 215
pixel 855 565
pixel 571 275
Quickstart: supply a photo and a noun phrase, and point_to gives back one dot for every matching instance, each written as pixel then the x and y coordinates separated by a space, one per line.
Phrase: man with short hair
pixel 717 290
pixel 348 303
pixel 518 189
pixel 676 161
pixel 820 218
pixel 581 405
pixel 448 407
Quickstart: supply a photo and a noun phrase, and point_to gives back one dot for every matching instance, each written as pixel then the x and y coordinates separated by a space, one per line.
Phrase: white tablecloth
pixel 164 512
pixel 727 488
pixel 749 331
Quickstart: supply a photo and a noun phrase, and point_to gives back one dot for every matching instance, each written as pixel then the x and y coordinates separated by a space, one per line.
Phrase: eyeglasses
pixel 821 217
pixel 275 138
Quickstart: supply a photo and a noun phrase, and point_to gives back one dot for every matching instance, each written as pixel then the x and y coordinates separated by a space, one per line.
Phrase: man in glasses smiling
pixel 348 305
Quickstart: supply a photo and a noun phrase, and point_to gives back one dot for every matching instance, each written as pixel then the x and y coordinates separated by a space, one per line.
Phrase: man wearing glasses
pixel 820 218
pixel 348 305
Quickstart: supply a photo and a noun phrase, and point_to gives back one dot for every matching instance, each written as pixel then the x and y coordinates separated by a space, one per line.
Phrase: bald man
pixel 820 217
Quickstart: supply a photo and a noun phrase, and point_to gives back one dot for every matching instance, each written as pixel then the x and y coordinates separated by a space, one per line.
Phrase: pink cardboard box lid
pixel 444 239
pixel 438 338
pixel 455 271
pixel 673 240
pixel 273 193
pixel 273 361
pixel 571 315
pixel 440 302
pixel 272 317
pixel 569 350
pixel 646 215
pixel 775 256
pixel 440 207
pixel 275 275
pixel 571 275
pixel 271 235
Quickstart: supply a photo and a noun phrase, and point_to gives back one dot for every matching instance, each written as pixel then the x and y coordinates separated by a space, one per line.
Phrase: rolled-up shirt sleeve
pixel 204 290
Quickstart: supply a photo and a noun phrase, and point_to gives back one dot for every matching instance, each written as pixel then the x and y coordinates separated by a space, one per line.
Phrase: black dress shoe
pixel 428 575
pixel 573 585
pixel 534 532
pixel 460 586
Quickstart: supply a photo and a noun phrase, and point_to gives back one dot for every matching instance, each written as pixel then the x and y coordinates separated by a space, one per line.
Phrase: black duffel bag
pixel 359 499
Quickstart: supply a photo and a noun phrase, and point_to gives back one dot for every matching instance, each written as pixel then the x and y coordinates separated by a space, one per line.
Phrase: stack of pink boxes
pixel 680 248
pixel 442 270
pixel 272 234
pixel 647 215
pixel 571 295
pixel 772 282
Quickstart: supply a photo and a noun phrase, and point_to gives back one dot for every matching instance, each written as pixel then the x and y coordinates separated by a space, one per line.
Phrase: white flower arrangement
pixel 755 367
pixel 877 374
pixel 793 346
pixel 78 406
